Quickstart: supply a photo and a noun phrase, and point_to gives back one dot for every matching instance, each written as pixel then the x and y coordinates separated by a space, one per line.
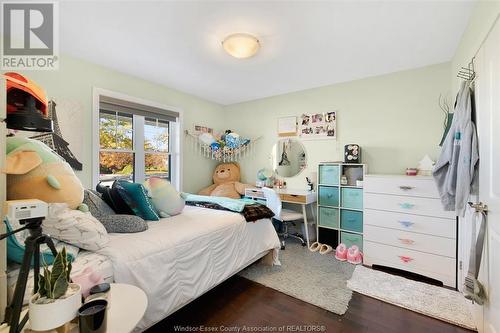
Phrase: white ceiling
pixel 304 44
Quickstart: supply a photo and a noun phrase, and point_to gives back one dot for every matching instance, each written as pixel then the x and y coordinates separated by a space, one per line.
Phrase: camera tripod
pixel 31 253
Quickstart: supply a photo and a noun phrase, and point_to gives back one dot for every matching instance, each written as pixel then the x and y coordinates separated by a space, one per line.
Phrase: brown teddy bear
pixel 226 182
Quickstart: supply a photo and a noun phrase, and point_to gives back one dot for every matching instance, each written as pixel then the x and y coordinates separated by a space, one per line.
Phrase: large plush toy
pixel 226 182
pixel 34 171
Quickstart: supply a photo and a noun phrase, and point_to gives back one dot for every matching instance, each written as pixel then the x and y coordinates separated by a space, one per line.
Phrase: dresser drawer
pixel 410 240
pixel 328 196
pixel 329 174
pixel 414 223
pixel 415 186
pixel 254 193
pixel 352 198
pixel 351 220
pixel 430 265
pixel 350 239
pixel 329 217
pixel 293 198
pixel 405 204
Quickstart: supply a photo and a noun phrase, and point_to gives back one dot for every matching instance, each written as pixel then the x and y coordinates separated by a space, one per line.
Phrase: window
pixel 135 141
pixel 156 150
pixel 116 146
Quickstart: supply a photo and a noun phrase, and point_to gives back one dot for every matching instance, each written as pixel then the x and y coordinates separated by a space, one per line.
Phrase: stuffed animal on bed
pixel 166 200
pixel 226 182
pixel 34 171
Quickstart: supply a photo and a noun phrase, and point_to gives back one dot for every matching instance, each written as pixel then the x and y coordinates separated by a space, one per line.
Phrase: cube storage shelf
pixel 340 206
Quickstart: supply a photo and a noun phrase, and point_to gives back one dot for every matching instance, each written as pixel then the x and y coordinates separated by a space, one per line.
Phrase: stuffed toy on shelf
pixel 34 171
pixel 227 183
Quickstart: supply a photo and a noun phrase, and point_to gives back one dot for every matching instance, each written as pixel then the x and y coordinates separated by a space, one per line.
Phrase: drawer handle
pixel 406 205
pixel 406 241
pixel 405 259
pixel 329 196
pixel 406 224
pixel 406 187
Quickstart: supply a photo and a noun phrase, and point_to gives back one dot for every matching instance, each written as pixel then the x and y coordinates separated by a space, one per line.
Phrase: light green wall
pixel 75 80
pixel 480 23
pixel 395 118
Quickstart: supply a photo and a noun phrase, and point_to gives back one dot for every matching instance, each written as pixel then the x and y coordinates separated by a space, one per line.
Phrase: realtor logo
pixel 30 32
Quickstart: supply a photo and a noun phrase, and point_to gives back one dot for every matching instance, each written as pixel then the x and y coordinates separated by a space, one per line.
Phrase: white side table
pixel 127 307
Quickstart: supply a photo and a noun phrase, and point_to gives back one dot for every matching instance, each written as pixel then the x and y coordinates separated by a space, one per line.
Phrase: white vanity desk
pixel 297 197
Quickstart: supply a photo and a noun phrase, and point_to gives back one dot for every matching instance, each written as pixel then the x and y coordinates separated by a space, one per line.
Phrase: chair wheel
pixel 283 247
pixel 304 244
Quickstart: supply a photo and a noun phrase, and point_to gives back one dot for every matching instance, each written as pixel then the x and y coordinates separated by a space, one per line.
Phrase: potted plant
pixel 57 300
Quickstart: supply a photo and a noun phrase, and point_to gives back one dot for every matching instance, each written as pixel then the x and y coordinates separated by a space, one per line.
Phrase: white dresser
pixel 406 228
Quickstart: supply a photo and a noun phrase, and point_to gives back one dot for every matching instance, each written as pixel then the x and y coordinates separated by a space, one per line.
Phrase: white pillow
pixel 75 227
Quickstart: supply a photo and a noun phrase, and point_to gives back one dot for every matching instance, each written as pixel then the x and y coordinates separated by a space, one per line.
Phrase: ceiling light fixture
pixel 241 45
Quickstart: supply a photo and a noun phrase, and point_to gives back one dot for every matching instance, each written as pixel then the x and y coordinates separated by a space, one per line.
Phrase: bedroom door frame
pixel 488 117
pixel 176 127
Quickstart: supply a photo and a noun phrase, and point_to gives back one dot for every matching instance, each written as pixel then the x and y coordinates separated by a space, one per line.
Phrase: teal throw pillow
pixel 135 196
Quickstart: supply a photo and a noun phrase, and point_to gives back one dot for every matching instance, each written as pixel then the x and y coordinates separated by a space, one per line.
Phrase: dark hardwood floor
pixel 239 302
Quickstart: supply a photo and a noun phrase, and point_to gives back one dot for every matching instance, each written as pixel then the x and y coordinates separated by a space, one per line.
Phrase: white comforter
pixel 179 258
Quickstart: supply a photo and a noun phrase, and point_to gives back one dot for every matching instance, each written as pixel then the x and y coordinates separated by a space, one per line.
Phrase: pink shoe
pixel 354 256
pixel 341 252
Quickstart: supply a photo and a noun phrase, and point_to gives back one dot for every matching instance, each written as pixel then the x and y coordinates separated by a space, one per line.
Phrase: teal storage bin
pixel 351 220
pixel 329 217
pixel 329 174
pixel 350 239
pixel 352 198
pixel 328 196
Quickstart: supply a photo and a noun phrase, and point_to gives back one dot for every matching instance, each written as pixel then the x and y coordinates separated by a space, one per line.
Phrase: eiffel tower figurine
pixel 56 142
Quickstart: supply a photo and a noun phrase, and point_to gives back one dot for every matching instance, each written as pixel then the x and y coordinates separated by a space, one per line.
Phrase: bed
pixel 180 258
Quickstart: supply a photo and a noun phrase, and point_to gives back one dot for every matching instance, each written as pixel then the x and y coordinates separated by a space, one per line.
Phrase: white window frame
pixel 176 156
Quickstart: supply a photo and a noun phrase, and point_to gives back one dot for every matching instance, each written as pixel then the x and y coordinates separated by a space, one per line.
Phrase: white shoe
pixel 325 248
pixel 315 247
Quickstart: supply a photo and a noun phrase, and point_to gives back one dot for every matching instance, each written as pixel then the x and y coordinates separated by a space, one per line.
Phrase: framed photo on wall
pixel 198 129
pixel 318 125
pixel 287 126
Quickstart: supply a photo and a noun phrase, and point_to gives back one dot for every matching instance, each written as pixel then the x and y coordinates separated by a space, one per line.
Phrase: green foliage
pixel 116 136
pixel 53 284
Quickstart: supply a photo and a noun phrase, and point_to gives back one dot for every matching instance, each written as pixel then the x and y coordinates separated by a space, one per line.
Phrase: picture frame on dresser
pixel 406 228
pixel 340 203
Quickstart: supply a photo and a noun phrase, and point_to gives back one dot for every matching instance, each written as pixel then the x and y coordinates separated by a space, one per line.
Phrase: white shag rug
pixel 317 279
pixel 437 302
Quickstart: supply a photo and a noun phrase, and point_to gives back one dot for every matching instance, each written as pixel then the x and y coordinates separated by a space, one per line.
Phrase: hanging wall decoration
pixel 318 125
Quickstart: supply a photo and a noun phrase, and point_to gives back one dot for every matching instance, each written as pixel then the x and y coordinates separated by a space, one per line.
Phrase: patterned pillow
pixel 114 223
pixel 75 227
pixel 121 223
pixel 135 195
pixel 96 205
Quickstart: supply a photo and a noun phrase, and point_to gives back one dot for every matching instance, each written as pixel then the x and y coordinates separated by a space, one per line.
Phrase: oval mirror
pixel 288 157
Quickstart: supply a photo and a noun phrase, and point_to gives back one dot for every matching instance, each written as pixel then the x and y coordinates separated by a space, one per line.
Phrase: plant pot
pixel 44 317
